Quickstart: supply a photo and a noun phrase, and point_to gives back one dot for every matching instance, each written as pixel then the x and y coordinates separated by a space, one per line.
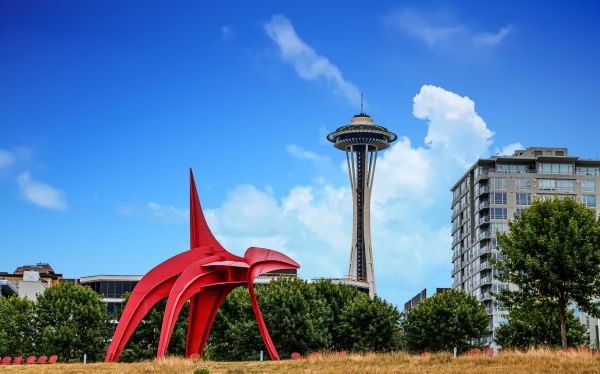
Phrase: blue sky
pixel 105 105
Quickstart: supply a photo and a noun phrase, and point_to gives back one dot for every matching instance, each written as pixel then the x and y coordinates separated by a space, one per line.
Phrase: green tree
pixel 368 325
pixel 337 297
pixel 71 320
pixel 538 324
pixel 297 317
pixel 553 252
pixel 444 321
pixel 143 343
pixel 17 326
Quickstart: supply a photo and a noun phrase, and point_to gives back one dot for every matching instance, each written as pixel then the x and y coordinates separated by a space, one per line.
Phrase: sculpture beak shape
pixel 204 275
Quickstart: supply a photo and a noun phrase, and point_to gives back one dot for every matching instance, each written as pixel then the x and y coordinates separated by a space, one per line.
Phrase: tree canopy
pixel 552 252
pixel 538 324
pixel 71 320
pixel 303 317
pixel 17 326
pixel 446 320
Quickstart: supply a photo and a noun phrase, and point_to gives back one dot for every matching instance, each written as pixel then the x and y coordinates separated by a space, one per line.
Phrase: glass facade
pixel 523 199
pixel 112 289
pixel 544 168
pixel 587 170
pixel 512 168
pixel 522 183
pixel 498 198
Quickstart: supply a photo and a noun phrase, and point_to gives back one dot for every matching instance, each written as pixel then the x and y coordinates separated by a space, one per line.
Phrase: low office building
pixel 421 296
pixel 112 288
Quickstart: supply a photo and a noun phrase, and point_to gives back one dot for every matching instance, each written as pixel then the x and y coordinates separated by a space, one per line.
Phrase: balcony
pixel 482 250
pixel 457 281
pixel 483 205
pixel 482 190
pixel 485 280
pixel 485 296
pixel 482 220
pixel 484 235
pixel 485 265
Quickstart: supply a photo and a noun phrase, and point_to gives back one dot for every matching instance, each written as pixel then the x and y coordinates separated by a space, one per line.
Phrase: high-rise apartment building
pixel 495 190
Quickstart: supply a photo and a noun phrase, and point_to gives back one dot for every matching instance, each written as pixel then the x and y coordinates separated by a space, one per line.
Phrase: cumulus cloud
pixel 410 205
pixel 41 194
pixel 306 61
pixel 455 128
pixel 6 158
pixel 509 149
pixel 441 30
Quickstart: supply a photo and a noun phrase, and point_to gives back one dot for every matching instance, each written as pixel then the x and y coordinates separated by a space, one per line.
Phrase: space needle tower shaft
pixel 361 140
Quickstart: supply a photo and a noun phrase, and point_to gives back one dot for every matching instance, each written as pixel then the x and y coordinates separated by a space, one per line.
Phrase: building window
pixel 522 184
pixel 512 168
pixel 544 168
pixel 498 213
pixel 497 183
pixel 518 212
pixel 589 200
pixel 480 171
pixel 502 227
pixel 565 185
pixel 587 170
pixel 547 184
pixel 523 199
pixel 588 185
pixel 498 198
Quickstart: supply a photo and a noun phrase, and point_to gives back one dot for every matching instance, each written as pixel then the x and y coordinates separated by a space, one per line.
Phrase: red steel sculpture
pixel 205 275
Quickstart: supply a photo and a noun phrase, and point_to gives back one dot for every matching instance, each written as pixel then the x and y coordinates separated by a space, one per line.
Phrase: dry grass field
pixel 538 361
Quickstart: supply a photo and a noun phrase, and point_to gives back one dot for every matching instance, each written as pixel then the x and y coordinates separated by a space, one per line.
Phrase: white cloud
pixel 487 38
pixel 227 32
pixel 6 158
pixel 168 213
pixel 308 64
pixel 410 205
pixel 442 30
pixel 41 194
pixel 302 154
pixel 420 27
pixel 455 129
pixel 509 149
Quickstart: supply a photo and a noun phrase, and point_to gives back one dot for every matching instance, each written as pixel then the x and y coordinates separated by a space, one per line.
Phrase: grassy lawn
pixel 539 361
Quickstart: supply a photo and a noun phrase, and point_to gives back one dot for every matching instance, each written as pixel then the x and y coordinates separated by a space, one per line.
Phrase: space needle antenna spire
pixel 362 103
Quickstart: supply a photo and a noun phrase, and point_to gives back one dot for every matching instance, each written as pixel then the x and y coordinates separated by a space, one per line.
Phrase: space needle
pixel 361 140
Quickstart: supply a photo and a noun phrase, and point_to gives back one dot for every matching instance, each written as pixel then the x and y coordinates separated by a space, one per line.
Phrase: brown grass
pixel 537 361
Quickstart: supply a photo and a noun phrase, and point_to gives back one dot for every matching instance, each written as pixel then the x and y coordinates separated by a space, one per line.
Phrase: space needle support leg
pixel 353 181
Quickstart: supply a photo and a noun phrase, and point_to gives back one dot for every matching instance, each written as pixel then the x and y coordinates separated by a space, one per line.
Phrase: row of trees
pixel 301 317
pixel 551 253
pixel 66 320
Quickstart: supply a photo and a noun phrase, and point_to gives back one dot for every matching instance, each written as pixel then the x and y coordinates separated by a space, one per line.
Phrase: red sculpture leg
pixel 262 261
pixel 199 277
pixel 186 286
pixel 138 306
pixel 153 287
pixel 202 322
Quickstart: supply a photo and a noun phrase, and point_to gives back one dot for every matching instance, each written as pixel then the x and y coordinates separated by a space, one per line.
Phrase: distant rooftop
pixel 541 151
pixel 40 267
